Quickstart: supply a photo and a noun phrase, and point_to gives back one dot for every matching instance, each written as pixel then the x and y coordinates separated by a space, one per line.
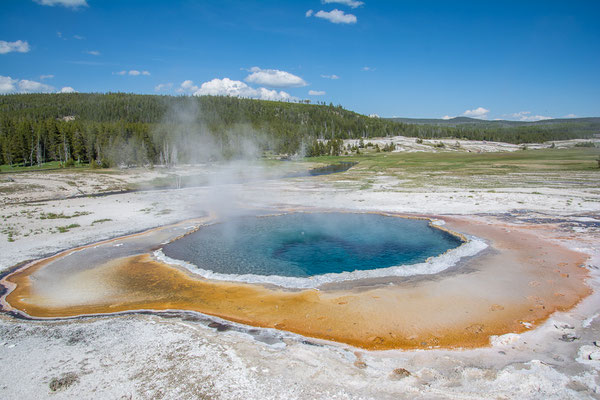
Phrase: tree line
pixel 132 129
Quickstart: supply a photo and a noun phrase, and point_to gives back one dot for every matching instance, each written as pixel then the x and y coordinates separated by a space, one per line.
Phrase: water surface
pixel 307 244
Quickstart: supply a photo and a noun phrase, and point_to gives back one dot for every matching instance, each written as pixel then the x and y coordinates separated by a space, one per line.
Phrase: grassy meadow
pixel 463 169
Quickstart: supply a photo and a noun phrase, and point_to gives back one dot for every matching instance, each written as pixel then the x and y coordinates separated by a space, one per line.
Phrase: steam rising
pixel 229 157
pixel 183 137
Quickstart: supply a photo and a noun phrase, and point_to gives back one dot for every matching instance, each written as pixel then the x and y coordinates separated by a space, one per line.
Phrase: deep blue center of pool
pixel 305 244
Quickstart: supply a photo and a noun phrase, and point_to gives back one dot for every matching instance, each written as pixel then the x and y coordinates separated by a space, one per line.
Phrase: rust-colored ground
pixel 523 280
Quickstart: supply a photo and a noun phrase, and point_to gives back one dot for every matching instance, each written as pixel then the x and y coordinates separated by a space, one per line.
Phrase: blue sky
pixel 486 59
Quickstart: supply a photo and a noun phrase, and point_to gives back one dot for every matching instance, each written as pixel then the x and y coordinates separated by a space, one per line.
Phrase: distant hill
pixel 457 121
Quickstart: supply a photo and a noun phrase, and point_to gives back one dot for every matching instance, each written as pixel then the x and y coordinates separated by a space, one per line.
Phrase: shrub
pixel 64 229
pixel 389 147
pixel 99 221
pixel 63 382
pixel 585 144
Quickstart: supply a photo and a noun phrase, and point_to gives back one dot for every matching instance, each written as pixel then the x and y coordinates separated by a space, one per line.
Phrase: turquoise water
pixel 304 245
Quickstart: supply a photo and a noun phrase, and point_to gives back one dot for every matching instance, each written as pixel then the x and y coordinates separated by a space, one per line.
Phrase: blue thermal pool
pixel 304 245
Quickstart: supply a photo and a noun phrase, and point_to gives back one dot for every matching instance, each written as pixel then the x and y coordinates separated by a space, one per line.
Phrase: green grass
pixel 469 170
pixel 53 166
pixel 63 229
pixel 63 216
pixel 54 216
pixel 21 168
pixel 585 144
pixel 579 159
pixel 13 188
pixel 45 166
pixel 10 233
pixel 99 221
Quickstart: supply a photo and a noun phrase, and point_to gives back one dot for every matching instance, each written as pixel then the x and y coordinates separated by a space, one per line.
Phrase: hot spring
pixel 308 249
pixel 336 253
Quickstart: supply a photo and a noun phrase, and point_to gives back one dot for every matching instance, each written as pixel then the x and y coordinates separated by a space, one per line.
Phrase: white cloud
pixel 42 77
pixel 78 37
pixel 133 72
pixel 67 89
pixel 570 116
pixel 330 76
pixel 274 95
pixel 161 87
pixel 33 86
pixel 228 87
pixel 309 13
pixel 526 116
pixel 349 3
pixel 64 3
pixel 10 85
pixel 447 117
pixel 93 52
pixel 337 16
pixel 18 46
pixel 274 78
pixel 368 69
pixel 316 92
pixel 478 112
pixel 187 86
pixel 7 84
